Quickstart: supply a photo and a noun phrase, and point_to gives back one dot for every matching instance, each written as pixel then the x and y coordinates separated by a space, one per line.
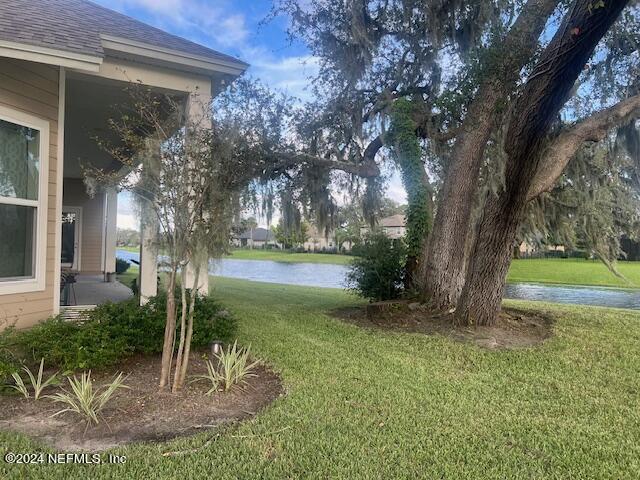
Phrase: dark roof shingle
pixel 76 26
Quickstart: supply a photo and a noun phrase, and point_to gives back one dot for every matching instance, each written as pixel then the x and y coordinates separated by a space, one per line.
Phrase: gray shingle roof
pixel 393 221
pixel 76 26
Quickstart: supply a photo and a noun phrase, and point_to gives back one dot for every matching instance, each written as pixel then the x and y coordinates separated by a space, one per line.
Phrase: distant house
pixel 318 241
pixel 394 226
pixel 255 238
pixel 526 249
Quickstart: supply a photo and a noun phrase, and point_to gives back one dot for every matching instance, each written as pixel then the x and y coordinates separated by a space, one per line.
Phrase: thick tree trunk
pixel 491 257
pixel 444 265
pixel 542 98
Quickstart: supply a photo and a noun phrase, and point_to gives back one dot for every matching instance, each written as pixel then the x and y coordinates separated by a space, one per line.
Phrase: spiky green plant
pixel 84 400
pixel 36 382
pixel 233 369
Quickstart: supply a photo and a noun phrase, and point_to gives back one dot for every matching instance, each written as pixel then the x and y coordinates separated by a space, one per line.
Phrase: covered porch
pixel 89 218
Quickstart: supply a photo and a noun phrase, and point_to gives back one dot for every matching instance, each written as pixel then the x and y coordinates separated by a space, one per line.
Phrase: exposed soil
pixel 514 329
pixel 141 413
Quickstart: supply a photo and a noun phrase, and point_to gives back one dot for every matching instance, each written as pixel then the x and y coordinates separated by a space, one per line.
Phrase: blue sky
pixel 235 28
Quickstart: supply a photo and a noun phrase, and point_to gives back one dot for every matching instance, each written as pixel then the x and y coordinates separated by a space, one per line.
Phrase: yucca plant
pixel 36 382
pixel 84 400
pixel 233 369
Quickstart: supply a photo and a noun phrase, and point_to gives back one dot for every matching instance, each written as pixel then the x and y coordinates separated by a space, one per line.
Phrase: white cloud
pixel 289 74
pixel 209 19
pixel 127 216
pixel 129 222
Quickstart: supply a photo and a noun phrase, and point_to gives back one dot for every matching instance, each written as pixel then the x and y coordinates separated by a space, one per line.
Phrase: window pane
pixel 19 161
pixel 17 241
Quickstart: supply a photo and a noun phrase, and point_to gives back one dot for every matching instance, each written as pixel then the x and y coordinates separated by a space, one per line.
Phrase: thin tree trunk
pixel 169 331
pixel 187 346
pixel 183 319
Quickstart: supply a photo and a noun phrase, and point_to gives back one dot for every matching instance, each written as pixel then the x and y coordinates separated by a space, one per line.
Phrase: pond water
pixel 333 276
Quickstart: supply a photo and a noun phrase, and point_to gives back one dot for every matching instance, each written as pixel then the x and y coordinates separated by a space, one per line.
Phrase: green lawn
pixel 280 256
pixel 574 272
pixel 129 249
pixel 368 404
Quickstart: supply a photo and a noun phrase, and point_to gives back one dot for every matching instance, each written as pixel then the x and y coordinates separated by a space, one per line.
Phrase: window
pixel 24 147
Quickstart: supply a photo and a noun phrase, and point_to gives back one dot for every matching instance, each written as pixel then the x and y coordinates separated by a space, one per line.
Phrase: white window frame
pixel 37 282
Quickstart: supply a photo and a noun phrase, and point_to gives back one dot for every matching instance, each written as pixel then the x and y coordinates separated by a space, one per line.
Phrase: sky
pixel 237 28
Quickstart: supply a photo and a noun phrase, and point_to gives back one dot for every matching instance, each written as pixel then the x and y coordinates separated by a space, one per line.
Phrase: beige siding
pixel 33 89
pixel 75 195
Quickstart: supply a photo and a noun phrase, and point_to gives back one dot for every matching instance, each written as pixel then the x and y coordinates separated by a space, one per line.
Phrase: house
pixel 64 65
pixel 394 226
pixel 255 238
pixel 318 241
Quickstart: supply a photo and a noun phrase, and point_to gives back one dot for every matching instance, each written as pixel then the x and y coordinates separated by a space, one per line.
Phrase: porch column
pixel 110 235
pixel 148 278
pixel 198 116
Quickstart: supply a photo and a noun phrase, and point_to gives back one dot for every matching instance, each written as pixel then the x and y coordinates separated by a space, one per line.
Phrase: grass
pixel 127 277
pixel 129 249
pixel 280 256
pixel 574 272
pixel 371 404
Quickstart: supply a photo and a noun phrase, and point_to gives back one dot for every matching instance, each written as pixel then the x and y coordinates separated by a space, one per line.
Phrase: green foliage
pixel 114 331
pixel 233 369
pixel 291 236
pixel 84 400
pixel 378 273
pixel 71 345
pixel 122 266
pixel 37 384
pixel 8 364
pixel 408 154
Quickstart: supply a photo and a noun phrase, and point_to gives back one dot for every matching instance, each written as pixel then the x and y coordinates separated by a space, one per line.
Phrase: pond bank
pixel 333 276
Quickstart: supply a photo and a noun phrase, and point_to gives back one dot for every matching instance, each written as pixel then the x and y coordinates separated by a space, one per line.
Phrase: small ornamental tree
pixel 178 169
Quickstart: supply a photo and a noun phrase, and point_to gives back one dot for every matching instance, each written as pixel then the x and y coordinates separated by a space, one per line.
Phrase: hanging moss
pixel 408 155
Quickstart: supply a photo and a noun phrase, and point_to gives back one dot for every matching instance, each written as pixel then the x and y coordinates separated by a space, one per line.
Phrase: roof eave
pixel 209 66
pixel 50 56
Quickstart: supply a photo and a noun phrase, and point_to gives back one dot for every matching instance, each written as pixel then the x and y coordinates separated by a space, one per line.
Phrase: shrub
pixel 8 364
pixel 72 346
pixel 378 271
pixel 122 265
pixel 114 331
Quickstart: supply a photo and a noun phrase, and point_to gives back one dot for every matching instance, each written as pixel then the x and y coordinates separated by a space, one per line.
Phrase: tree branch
pixel 592 129
pixel 366 169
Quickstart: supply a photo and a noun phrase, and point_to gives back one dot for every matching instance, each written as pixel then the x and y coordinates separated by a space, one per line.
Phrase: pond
pixel 333 276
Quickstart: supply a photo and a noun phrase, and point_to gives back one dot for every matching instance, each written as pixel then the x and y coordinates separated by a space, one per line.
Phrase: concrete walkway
pixel 93 290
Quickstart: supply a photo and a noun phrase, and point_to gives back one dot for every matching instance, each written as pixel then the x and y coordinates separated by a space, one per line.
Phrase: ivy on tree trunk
pixel 408 155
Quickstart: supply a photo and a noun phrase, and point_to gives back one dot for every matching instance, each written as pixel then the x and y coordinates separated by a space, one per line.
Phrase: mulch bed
pixel 141 413
pixel 514 328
